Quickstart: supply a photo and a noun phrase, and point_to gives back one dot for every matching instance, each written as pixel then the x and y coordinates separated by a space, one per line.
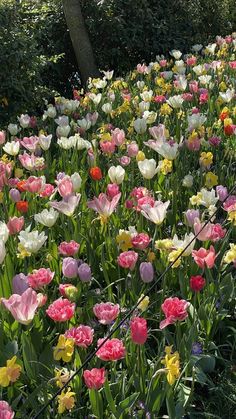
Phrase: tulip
pixel 147 168
pixel 146 272
pixel 138 328
pixel 84 272
pixel 116 174
pixel 2 251
pixel 22 307
pixel 70 267
pixel 19 284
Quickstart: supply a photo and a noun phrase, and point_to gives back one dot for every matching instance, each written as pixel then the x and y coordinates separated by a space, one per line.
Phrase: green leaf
pixel 29 357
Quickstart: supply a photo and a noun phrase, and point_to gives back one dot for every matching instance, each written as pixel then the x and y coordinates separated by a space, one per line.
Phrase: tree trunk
pixel 80 39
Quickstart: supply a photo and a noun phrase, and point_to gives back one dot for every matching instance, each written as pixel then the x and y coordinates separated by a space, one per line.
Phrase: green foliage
pixel 35 56
pixel 124 32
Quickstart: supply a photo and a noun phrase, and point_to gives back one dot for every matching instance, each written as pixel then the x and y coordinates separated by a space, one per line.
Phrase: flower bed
pixel 98 197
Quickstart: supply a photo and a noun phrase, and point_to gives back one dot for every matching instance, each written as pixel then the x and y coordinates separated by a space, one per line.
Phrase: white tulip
pixel 107 108
pixel 140 125
pixel 147 168
pixel 63 130
pixel 13 129
pixel 150 117
pixel 144 106
pixel 46 217
pixel 116 174
pixel 76 181
pixel 157 213
pixel 12 148
pixel 176 54
pixel 32 241
pixel 96 99
pixel 175 101
pixel 2 251
pixel 84 123
pixel 4 232
pixel 188 181
pixel 196 121
pixel 181 244
pixel 45 141
pixel 228 95
pixel 147 95
pixel 24 120
pixel 67 143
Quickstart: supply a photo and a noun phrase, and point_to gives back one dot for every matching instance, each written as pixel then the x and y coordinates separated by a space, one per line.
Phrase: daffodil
pixel 64 349
pixel 124 240
pixel 143 305
pixel 10 373
pixel 230 255
pixel 66 401
pixel 211 180
pixel 206 159
pixel 171 363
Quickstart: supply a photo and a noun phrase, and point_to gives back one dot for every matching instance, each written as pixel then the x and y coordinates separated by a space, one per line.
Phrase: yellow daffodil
pixel 165 109
pixel 143 305
pixel 171 363
pixel 124 240
pixel 66 401
pixel 166 166
pixel 10 373
pixel 61 376
pixel 173 255
pixel 230 255
pixel 232 216
pixel 196 199
pixel 165 244
pixel 64 349
pixel 206 159
pixel 211 180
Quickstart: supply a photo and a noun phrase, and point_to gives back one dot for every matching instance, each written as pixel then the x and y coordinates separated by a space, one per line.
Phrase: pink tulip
pixel 118 136
pixel 40 277
pixel 5 410
pixel 138 328
pixel 103 206
pixel 34 184
pixel 141 241
pixel 68 205
pixel 68 248
pixel 112 350
pixel 128 259
pixel 82 335
pixel 107 146
pixel 2 137
pixel 94 378
pixel 47 191
pixel 30 143
pixel 112 190
pixel 61 310
pixel 205 233
pixel 174 309
pixel 204 257
pixel 106 312
pixel 65 187
pixel 22 307
pixel 15 225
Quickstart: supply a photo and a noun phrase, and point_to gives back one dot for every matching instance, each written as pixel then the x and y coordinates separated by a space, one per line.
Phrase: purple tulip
pixel 70 267
pixel 222 192
pixel 146 272
pixel 14 195
pixel 19 284
pixel 190 215
pixel 84 272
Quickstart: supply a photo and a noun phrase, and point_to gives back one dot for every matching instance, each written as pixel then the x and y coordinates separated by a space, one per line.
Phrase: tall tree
pixel 80 39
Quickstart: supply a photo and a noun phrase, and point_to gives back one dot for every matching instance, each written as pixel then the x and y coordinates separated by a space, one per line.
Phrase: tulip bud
pixel 19 284
pixel 14 195
pixel 146 272
pixel 71 292
pixel 84 272
pixel 70 267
